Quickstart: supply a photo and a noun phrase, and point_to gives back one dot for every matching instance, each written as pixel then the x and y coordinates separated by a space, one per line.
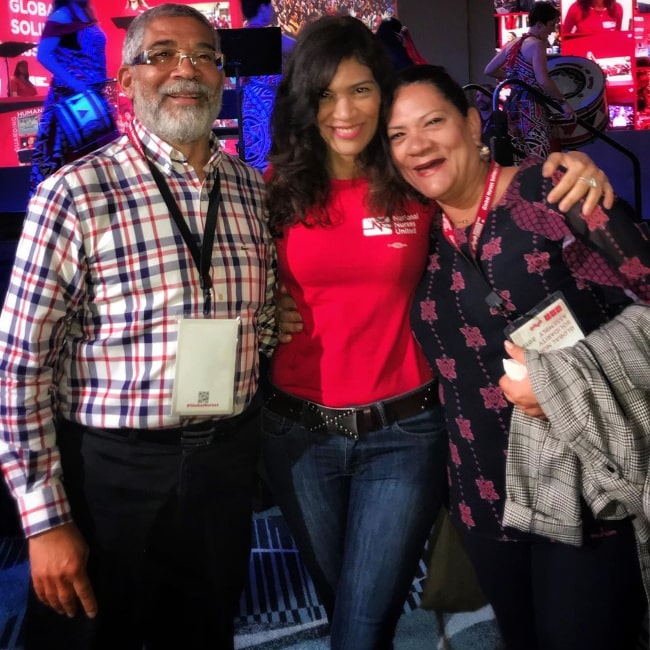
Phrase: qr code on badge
pixel 204 397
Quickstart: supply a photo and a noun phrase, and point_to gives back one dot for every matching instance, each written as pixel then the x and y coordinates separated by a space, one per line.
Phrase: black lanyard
pixel 202 258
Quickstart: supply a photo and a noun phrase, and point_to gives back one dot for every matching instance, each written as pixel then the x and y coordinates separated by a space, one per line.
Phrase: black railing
pixel 503 154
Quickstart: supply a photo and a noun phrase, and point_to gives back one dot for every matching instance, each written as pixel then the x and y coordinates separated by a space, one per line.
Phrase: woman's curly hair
pixel 299 177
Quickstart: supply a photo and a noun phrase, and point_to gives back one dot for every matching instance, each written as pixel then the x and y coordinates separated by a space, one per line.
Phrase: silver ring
pixel 591 181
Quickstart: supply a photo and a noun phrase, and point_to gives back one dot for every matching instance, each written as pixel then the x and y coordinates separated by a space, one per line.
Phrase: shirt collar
pixel 166 156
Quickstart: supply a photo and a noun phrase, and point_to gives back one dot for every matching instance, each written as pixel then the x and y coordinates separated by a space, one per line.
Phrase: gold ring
pixel 591 181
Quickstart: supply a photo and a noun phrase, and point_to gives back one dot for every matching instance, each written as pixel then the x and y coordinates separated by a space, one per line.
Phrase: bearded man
pixel 129 339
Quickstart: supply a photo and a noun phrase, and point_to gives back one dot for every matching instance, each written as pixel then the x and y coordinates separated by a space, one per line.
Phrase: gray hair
pixel 135 33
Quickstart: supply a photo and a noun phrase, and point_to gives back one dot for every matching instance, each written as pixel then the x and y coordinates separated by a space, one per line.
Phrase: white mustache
pixel 189 87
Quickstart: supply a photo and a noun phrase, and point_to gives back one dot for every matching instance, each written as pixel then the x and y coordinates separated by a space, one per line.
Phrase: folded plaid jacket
pixel 596 442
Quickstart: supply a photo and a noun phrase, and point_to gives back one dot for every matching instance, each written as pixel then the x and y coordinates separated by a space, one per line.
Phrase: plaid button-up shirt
pixel 102 275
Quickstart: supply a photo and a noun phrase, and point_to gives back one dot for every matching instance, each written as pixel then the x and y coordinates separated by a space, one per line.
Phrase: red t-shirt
pixel 595 21
pixel 353 283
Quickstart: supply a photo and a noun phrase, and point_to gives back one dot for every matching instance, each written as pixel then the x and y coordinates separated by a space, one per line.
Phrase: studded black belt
pixel 354 422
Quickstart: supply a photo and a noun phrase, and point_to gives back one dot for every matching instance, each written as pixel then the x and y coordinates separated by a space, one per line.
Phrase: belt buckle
pixel 197 438
pixel 317 418
pixel 347 424
pixel 341 422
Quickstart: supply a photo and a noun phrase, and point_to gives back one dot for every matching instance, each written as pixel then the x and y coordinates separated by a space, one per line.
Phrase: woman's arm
pixel 618 10
pixel 46 56
pixel 540 66
pixel 495 67
pixel 574 185
pixel 571 19
pixel 287 316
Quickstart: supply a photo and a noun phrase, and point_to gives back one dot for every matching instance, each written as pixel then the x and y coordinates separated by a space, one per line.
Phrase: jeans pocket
pixel 428 423
pixel 275 425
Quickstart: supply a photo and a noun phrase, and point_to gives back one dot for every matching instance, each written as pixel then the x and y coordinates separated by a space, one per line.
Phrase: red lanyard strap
pixel 481 214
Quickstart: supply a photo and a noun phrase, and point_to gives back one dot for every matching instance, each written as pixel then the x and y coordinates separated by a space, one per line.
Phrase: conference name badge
pixel 549 326
pixel 204 381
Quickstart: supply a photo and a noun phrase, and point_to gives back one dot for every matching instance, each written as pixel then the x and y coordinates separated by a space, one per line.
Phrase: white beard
pixel 177 125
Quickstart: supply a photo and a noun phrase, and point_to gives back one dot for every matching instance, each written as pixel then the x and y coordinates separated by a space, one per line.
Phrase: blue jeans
pixel 360 513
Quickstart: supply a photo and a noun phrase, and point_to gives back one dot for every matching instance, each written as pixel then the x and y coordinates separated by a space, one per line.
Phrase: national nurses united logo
pixel 373 227
pixel 403 224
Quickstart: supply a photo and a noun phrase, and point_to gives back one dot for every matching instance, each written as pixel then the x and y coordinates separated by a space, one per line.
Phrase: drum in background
pixel 582 83
pixel 86 121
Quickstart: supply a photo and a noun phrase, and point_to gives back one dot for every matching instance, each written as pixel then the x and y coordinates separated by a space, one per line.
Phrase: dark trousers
pixel 553 596
pixel 169 530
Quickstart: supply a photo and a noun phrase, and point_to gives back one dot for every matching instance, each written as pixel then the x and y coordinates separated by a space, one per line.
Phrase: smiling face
pixel 433 144
pixel 348 115
pixel 179 104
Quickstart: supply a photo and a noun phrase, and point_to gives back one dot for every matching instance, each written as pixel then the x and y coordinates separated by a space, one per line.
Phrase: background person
pixel 20 84
pixel 73 49
pixel 258 13
pixel 138 518
pixel 259 91
pixel 136 6
pixel 525 59
pixel 593 17
pixel 498 250
pixel 397 39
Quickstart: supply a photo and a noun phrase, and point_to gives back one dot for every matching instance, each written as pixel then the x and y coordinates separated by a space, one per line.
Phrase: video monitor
pixel 621 116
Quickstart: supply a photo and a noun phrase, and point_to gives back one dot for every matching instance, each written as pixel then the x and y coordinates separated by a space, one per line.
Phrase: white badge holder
pixel 204 382
pixel 550 326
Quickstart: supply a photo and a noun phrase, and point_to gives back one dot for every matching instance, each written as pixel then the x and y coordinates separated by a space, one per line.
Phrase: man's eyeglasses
pixel 162 58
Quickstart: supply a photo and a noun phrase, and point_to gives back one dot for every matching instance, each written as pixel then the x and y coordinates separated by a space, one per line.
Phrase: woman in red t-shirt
pixel 354 439
pixel 593 16
pixel 20 84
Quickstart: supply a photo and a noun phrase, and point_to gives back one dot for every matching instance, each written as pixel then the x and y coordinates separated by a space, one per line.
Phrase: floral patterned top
pixel 528 119
pixel 527 250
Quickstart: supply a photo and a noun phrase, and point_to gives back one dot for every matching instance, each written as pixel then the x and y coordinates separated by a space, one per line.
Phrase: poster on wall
pixel 18 128
pixel 21 22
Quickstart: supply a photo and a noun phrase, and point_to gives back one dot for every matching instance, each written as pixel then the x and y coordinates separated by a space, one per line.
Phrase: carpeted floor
pixel 279 608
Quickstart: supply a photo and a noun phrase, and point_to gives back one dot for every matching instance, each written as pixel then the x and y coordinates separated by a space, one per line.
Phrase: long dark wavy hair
pixel 300 180
pixel 585 5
